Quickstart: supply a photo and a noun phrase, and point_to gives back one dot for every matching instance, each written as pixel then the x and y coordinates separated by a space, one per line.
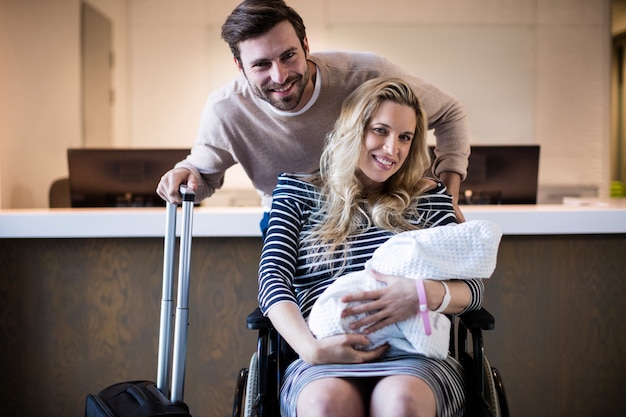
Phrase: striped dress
pixel 286 275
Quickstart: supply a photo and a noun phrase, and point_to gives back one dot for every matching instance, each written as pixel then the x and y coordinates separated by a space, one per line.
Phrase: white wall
pixel 116 11
pixel 40 109
pixel 39 93
pixel 529 72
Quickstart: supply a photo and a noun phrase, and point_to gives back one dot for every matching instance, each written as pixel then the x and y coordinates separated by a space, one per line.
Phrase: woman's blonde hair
pixel 345 203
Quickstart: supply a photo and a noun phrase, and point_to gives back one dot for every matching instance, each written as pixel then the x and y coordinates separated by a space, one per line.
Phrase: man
pixel 274 117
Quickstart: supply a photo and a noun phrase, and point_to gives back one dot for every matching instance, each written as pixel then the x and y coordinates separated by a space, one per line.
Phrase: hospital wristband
pixel 446 299
pixel 423 305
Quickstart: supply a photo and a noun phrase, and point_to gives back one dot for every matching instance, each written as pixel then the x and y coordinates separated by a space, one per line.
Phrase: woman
pixel 370 186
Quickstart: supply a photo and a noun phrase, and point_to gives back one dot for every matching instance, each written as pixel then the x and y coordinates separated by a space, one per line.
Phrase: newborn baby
pixel 460 251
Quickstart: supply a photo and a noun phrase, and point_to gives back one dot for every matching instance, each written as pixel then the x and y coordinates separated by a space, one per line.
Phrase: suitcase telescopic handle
pixel 171 363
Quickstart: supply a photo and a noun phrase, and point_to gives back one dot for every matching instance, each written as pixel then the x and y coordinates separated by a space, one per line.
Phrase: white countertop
pixel 575 217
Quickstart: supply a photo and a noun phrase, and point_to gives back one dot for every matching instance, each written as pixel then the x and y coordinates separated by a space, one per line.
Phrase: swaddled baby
pixel 459 251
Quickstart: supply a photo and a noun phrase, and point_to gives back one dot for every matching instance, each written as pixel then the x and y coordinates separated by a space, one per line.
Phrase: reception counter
pixel 577 217
pixel 80 291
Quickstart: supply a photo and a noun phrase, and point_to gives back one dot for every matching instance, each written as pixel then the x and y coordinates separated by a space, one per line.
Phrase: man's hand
pixel 168 188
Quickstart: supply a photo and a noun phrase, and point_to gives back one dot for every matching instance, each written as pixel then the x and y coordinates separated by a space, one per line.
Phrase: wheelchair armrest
pixel 478 319
pixel 256 320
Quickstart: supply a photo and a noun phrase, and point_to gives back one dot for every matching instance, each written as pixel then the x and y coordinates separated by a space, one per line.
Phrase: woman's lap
pixel 444 377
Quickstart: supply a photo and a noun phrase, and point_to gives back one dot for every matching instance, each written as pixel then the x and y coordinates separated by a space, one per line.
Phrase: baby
pixel 461 251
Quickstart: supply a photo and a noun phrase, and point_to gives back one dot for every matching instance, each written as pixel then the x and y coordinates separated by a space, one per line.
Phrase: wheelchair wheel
pixel 502 400
pixel 491 391
pixel 252 387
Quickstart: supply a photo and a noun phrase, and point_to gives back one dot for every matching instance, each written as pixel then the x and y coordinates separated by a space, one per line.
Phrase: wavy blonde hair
pixel 345 203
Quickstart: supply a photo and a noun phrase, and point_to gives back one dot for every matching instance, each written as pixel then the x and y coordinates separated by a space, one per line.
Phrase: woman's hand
pixel 395 302
pixel 343 348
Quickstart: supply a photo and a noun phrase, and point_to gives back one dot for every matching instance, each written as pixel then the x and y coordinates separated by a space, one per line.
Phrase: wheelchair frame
pixel 257 396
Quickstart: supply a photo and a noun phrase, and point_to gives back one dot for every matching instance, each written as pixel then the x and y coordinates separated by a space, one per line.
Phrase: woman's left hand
pixel 393 303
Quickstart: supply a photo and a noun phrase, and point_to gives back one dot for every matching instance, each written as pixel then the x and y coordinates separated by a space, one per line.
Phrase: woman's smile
pixel 384 162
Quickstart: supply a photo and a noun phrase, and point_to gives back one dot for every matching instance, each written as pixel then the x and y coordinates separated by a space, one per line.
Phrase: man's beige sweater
pixel 238 127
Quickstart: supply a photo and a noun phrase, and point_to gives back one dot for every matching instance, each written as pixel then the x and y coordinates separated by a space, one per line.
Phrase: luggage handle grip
pixel 137 394
pixel 186 193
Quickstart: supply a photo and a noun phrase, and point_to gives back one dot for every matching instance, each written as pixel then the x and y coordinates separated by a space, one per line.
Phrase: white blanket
pixel 464 251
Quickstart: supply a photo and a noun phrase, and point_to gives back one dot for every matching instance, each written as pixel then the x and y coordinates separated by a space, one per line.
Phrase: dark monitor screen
pixel 501 174
pixel 119 177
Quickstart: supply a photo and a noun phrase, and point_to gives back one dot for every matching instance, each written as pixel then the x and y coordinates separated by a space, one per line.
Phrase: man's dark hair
pixel 256 17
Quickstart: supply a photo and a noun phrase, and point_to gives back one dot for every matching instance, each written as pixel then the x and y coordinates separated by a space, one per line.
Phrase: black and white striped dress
pixel 285 275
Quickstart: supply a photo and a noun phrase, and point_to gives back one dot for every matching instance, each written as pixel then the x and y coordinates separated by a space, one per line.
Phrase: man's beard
pixel 289 102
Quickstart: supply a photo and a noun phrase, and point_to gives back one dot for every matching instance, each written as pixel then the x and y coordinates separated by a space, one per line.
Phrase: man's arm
pixel 452 180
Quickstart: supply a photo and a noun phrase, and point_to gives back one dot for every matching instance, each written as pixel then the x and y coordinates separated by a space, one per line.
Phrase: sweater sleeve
pixel 211 154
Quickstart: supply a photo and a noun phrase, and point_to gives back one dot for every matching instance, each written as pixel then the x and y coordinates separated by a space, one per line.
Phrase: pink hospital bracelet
pixel 423 308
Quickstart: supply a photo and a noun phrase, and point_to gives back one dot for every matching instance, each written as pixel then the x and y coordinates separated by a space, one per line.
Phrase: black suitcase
pixel 147 398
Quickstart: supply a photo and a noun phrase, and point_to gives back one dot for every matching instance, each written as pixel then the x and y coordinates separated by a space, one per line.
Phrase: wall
pixel 618 118
pixel 39 93
pixel 116 11
pixel 40 109
pixel 529 72
pixel 618 16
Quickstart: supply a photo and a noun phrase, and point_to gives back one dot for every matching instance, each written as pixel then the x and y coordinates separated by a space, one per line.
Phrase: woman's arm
pixel 460 295
pixel 277 297
pixel 398 300
pixel 288 321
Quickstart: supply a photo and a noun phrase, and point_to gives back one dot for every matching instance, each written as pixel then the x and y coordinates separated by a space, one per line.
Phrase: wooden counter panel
pixel 560 334
pixel 79 314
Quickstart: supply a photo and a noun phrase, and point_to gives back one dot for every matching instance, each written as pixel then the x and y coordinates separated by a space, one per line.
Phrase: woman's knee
pixel 328 397
pixel 403 395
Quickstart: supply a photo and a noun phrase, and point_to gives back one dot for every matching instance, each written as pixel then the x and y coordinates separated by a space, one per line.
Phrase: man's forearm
pixel 452 180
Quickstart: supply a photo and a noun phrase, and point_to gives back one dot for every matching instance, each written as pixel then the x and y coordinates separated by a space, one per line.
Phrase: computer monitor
pixel 115 177
pixel 501 174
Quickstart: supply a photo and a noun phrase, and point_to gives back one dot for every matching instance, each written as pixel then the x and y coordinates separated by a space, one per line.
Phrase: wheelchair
pixel 258 386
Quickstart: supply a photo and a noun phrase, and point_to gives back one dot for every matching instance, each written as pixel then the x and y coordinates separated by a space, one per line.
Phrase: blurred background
pixel 136 73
